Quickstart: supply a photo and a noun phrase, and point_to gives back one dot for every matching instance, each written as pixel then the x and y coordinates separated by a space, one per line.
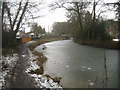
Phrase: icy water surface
pixel 81 66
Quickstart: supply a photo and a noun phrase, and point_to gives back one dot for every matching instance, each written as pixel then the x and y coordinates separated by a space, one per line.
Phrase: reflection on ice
pixel 67 66
pixel 83 66
pixel 89 68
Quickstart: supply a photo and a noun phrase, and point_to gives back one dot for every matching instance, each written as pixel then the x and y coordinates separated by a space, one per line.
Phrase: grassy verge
pixel 42 41
pixel 8 51
pixel 107 44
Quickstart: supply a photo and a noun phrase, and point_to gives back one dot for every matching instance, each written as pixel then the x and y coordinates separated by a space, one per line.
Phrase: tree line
pixel 37 29
pixel 83 24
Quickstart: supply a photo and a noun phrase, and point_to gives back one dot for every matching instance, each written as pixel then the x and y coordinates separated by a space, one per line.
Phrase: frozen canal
pixel 81 66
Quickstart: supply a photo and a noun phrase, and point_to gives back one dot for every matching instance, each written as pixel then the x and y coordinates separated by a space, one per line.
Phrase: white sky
pixel 58 15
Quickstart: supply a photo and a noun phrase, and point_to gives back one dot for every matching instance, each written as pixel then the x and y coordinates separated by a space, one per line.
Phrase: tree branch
pixel 17 14
pixel 20 19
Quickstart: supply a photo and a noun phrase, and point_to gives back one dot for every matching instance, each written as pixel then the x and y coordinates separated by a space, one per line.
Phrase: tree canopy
pixel 36 29
pixel 83 24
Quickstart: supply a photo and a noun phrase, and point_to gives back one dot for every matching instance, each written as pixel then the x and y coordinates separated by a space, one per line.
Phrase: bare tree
pixel 17 13
pixel 76 7
pixel 0 30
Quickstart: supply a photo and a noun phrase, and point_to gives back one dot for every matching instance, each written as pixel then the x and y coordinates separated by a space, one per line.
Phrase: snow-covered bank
pixel 6 65
pixel 41 80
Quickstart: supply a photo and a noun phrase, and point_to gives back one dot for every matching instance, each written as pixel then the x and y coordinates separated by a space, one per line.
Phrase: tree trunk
pixel 3 8
pixel 21 17
pixel 9 15
pixel 16 15
pixel 94 13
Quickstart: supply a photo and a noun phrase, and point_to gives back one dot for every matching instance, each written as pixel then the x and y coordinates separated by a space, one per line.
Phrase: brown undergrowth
pixel 100 44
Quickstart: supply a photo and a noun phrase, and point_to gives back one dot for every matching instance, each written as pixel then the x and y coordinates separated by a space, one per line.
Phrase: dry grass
pixel 37 71
pixel 42 41
pixel 41 58
pixel 48 76
pixel 56 79
pixel 108 45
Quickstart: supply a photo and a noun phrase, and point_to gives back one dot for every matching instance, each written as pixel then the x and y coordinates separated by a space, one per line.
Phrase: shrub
pixel 9 39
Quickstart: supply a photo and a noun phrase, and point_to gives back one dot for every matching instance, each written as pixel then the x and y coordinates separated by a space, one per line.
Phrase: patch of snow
pixel 10 61
pixel 116 40
pixel 23 56
pixel 7 63
pixel 91 83
pixel 47 82
pixel 18 37
pixel 33 64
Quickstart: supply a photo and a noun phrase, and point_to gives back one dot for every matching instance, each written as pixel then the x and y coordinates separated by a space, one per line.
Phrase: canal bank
pixel 106 44
pixel 44 80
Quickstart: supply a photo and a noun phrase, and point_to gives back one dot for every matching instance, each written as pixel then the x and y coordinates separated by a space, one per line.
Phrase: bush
pixel 9 39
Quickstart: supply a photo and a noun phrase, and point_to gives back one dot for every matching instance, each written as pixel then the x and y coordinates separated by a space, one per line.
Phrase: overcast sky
pixel 58 15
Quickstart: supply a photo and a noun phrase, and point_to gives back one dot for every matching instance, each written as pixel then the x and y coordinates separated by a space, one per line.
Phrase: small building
pixel 21 36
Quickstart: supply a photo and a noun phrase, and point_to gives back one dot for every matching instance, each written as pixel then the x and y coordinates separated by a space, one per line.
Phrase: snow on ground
pixel 33 64
pixel 91 83
pixel 116 40
pixel 41 80
pixel 6 64
pixel 23 56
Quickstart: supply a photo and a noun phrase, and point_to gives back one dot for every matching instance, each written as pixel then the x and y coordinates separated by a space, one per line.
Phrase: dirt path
pixel 20 78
